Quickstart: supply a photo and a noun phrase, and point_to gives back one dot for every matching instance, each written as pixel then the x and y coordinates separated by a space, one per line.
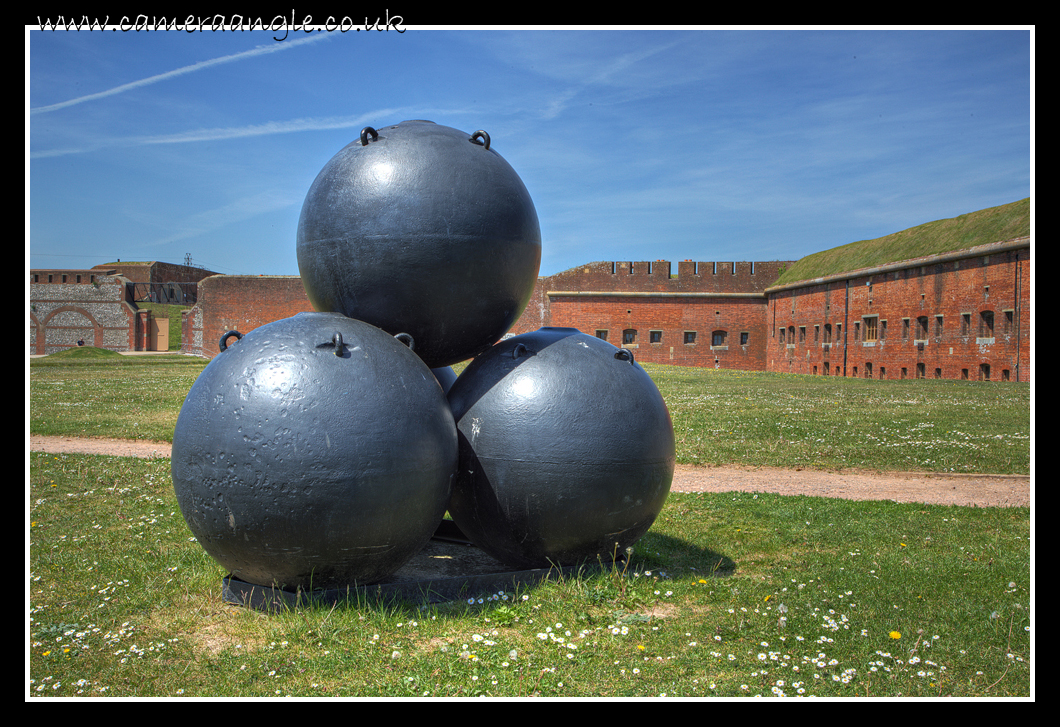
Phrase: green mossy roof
pixel 994 224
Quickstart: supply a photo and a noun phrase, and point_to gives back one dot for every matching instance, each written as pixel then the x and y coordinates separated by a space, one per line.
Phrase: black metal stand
pixel 449 568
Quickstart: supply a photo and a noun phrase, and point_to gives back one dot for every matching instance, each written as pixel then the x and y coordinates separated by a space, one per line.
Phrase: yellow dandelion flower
pixel 895 635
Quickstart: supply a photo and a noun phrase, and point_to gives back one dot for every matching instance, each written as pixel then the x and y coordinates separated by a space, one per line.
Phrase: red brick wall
pixel 785 327
pixel 157 272
pixel 931 317
pixel 692 281
pixel 169 273
pixel 241 303
pixel 82 276
pixel 673 330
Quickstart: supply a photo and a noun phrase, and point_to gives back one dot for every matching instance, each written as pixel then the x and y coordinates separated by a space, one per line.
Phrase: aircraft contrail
pixel 260 50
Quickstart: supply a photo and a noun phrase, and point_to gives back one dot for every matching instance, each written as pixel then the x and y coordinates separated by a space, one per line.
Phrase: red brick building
pixel 158 282
pixel 707 314
pixel 962 315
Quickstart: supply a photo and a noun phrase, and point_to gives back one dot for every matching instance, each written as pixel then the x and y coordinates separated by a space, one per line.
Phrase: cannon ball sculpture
pixel 315 452
pixel 423 229
pixel 566 449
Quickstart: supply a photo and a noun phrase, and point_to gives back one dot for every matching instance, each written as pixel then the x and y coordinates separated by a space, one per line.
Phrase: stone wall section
pixel 97 313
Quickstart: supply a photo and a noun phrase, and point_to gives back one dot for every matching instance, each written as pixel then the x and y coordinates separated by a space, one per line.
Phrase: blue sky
pixel 711 145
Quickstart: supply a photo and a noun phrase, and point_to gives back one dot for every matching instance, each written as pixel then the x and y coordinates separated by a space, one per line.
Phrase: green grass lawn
pixel 829 422
pixel 719 417
pixel 727 595
pixel 730 595
pixel 88 392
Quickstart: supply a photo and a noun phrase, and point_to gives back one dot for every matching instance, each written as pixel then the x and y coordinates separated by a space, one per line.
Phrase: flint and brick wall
pixel 98 313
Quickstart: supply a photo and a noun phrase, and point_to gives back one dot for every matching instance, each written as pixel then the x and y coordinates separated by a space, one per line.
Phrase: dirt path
pixel 929 488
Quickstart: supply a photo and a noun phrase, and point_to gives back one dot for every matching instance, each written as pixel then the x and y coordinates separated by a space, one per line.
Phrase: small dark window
pixel 655 336
pixel 690 336
pixel 602 334
pixel 986 327
pixel 718 338
pixel 922 329
pixel 629 335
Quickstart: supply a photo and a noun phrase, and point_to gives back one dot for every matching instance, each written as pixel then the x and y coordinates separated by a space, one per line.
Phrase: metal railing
pixel 173 293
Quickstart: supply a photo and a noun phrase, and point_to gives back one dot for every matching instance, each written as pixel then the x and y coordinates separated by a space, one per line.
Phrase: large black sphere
pixel 316 451
pixel 423 229
pixel 566 449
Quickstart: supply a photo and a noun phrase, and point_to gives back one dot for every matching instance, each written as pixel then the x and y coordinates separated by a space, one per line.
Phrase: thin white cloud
pixel 268 128
pixel 238 132
pixel 237 210
pixel 258 51
pixel 609 74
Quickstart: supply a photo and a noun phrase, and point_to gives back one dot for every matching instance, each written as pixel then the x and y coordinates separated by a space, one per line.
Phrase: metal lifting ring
pixel 226 336
pixel 406 338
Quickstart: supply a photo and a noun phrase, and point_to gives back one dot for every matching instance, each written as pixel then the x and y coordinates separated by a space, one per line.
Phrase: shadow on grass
pixel 656 551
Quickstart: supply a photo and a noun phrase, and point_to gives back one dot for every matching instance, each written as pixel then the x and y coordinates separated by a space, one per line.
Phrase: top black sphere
pixel 422 229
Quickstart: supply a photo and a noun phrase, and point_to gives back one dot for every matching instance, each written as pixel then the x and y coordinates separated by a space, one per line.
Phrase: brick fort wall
pixel 238 303
pixel 963 315
pixel 707 314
